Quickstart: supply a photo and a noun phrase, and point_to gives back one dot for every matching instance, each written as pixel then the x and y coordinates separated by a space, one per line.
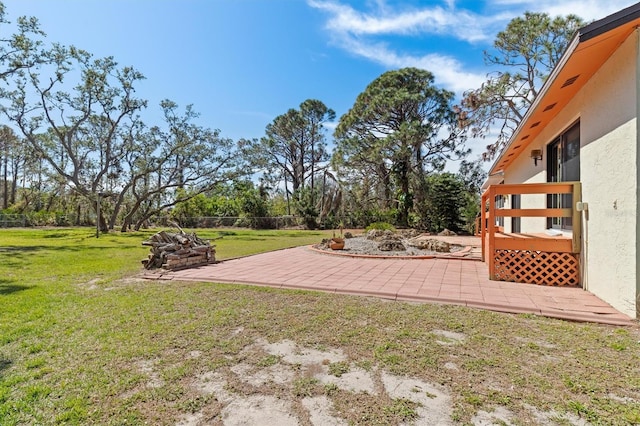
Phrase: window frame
pixel 563 165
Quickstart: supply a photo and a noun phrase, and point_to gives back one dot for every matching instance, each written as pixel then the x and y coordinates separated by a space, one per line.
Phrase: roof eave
pixel 609 23
pixel 573 45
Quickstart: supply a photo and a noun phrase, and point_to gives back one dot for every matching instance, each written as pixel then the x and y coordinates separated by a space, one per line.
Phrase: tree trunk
pixel 313 169
pixel 286 193
pixel 104 228
pixel 405 199
pixel 386 187
pixel 14 181
pixel 101 223
pixel 126 224
pixel 5 197
pixel 117 207
pixel 128 218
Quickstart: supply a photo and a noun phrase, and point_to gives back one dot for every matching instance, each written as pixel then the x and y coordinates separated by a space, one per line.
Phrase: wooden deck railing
pixel 495 241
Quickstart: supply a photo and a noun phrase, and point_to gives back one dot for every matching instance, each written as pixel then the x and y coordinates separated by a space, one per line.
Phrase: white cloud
pixel 330 126
pixel 447 70
pixel 461 24
pixel 373 33
pixel 588 10
pixel 363 34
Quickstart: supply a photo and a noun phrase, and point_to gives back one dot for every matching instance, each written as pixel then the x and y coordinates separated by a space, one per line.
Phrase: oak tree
pixel 175 163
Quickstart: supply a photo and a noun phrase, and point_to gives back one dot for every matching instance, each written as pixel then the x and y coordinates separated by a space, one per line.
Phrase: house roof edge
pixel 583 34
pixel 610 22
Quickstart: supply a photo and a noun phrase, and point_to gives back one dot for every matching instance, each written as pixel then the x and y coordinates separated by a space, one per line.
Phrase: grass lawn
pixel 82 341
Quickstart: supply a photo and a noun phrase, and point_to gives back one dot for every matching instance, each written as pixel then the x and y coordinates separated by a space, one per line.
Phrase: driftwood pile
pixel 177 251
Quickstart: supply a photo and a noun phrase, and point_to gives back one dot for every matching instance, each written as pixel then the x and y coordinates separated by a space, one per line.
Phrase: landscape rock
pixel 431 244
pixel 395 243
pixel 380 235
pixel 410 233
pixel 391 245
pixel 447 233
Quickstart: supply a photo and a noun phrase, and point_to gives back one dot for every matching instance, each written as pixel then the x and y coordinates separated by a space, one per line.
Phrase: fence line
pixel 13 220
pixel 267 222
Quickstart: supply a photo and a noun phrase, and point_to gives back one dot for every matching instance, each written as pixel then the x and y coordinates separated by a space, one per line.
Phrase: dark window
pixel 515 221
pixel 563 165
pixel 499 205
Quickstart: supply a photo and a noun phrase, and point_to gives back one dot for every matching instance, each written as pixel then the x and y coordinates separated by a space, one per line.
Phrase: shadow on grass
pixel 129 235
pixel 18 249
pixel 6 288
pixel 21 250
pixel 16 256
pixel 57 235
pixel 4 364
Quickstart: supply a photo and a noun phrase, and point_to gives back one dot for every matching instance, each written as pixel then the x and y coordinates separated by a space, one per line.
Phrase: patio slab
pixel 450 281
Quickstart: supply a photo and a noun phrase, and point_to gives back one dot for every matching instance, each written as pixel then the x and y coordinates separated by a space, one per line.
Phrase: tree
pixel 473 175
pixel 254 205
pixel 293 149
pixel 91 137
pixel 10 159
pixel 524 53
pixel 399 130
pixel 81 134
pixel 23 49
pixel 85 140
pixel 171 166
pixel 443 204
pixel 18 52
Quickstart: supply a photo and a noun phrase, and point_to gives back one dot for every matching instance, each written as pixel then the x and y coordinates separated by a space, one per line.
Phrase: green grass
pixel 81 339
pixel 235 243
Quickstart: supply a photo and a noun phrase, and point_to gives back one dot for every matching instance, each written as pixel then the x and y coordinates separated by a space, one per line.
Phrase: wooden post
pixel 483 221
pixel 576 223
pixel 491 223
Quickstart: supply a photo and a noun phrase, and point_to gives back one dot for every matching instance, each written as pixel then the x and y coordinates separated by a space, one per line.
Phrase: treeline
pixel 74 145
pixel 74 137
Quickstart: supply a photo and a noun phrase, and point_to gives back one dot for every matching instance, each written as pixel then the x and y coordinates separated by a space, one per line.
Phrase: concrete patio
pixel 453 281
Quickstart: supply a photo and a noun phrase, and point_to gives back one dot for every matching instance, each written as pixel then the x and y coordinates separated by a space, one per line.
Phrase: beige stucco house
pixel 576 220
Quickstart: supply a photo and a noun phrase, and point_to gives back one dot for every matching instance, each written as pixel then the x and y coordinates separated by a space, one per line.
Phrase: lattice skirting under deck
pixel 535 267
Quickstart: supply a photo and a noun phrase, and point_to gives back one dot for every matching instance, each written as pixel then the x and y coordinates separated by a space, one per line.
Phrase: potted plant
pixel 337 243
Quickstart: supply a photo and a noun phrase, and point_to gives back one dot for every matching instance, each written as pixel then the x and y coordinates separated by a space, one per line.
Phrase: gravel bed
pixel 362 245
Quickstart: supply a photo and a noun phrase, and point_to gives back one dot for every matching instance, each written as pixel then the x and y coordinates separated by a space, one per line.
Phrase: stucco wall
pixel 607 110
pixel 608 172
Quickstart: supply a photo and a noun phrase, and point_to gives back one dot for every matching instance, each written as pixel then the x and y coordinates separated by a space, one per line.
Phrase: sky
pixel 241 63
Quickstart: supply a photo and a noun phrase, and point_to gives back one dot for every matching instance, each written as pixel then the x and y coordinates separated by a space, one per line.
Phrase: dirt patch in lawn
pixel 285 384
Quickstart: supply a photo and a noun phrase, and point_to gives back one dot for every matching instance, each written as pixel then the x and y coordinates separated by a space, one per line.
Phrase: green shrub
pixel 382 226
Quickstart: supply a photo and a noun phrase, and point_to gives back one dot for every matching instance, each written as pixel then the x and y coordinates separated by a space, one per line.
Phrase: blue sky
pixel 241 63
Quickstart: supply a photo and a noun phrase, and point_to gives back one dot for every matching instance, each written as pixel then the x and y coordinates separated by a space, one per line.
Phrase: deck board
pixel 533 242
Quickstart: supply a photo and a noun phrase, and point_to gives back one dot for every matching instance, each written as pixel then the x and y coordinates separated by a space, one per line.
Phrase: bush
pixel 45 218
pixel 305 207
pixel 382 226
pixel 254 206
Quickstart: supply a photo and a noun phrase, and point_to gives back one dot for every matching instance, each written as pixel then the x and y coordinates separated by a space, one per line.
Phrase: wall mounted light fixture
pixel 536 154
